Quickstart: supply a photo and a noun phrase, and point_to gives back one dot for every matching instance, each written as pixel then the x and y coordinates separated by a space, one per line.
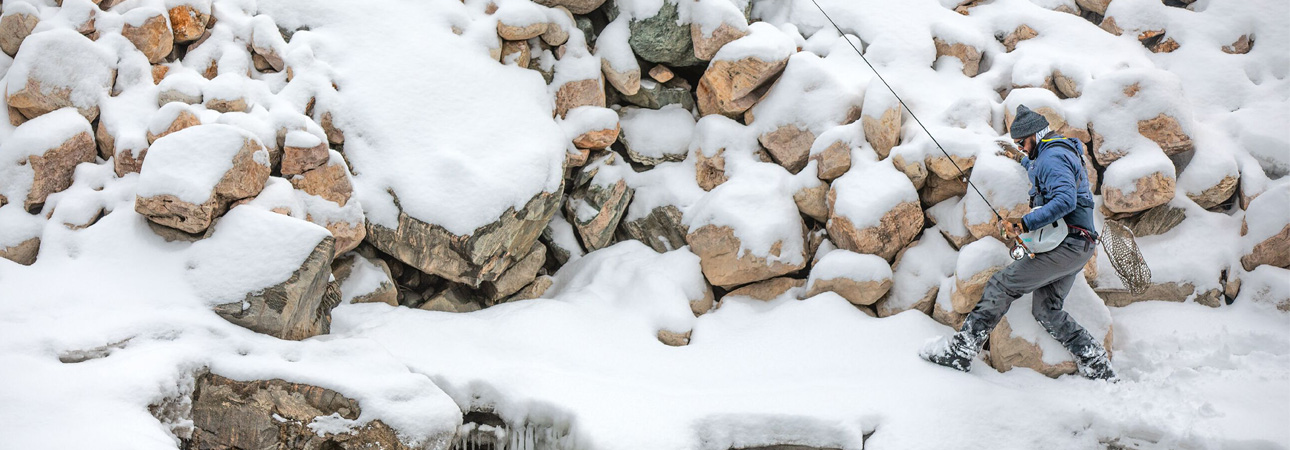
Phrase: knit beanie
pixel 1027 122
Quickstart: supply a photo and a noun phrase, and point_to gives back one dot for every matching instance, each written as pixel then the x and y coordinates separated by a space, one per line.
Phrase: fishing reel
pixel 1018 252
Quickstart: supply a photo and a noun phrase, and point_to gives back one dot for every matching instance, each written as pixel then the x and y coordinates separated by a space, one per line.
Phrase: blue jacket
pixel 1060 186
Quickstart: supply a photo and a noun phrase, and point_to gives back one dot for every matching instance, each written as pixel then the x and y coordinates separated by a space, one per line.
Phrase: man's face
pixel 1026 144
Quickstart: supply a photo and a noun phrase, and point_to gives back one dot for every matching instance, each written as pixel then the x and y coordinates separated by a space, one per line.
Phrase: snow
pixel 251 249
pixel 612 46
pixel 188 164
pixel 754 204
pixel 1267 215
pixel 980 255
pixel 302 139
pixel 657 133
pixel 44 133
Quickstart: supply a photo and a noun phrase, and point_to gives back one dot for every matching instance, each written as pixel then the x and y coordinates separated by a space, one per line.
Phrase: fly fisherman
pixel 1060 191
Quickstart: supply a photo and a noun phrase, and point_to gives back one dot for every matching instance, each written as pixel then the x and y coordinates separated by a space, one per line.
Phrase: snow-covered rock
pixel 1020 341
pixel 874 209
pixel 150 32
pixel 596 203
pixel 302 151
pixel 768 290
pixel 56 69
pixel 977 262
pixel 1265 230
pixel 859 278
pixel 326 193
pixel 364 279
pixel 643 140
pixel 747 230
pixel 41 155
pixel 191 176
pixel 188 19
pixel 738 73
pixel 17 23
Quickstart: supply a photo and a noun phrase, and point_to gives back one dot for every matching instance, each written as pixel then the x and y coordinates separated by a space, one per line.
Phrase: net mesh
pixel 1122 250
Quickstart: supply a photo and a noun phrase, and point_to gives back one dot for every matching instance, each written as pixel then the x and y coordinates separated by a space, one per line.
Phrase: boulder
pixel 662 38
pixel 767 290
pixel 191 176
pixel 332 184
pixel 295 308
pixel 574 6
pixel 226 94
pixel 518 276
pixel 570 95
pixel 188 20
pixel 533 290
pixel 1265 230
pixel 1149 191
pixel 915 170
pixel 1023 32
pixel 627 82
pixel 725 265
pixel 24 252
pixel 673 338
pixel 641 137
pixel 661 73
pixel 969 55
pixel 1008 352
pixel 881 127
pixel 148 30
pixel 18 21
pixel 732 87
pixel 595 207
pixel 874 210
pixel 710 171
pixel 364 279
pixel 977 262
pixel 706 45
pixel 654 95
pixel 520 31
pixel 937 189
pixel 859 278
pixel 51 145
pixel 1169 291
pixel 1217 194
pixel 1157 220
pixel 517 52
pixel 303 151
pixel 813 201
pixel 169 119
pixel 1167 132
pixel 833 161
pixel 789 145
pixel 38 85
pixel 278 414
pixel 597 139
pixel 1097 6
pixel 472 258
pixel 663 229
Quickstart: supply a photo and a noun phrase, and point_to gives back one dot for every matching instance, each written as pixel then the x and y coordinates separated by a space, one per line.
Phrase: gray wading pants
pixel 1049 276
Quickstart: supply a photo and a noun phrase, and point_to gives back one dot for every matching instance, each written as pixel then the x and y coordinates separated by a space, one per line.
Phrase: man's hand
pixel 1009 229
pixel 1007 150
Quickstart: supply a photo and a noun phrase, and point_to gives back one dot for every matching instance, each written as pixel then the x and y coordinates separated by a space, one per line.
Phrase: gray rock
pixel 654 95
pixel 1158 220
pixel 660 39
pixel 662 229
pixel 294 309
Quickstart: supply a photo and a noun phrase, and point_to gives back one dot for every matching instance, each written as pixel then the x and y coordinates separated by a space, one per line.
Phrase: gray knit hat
pixel 1027 122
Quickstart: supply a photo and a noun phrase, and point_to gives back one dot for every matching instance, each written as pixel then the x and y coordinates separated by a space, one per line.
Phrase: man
pixel 1060 191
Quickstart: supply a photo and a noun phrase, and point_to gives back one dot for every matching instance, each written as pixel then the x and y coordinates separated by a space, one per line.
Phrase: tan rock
pixel 556 35
pixel 153 37
pixel 1157 42
pixel 386 292
pixel 187 23
pixel 1097 6
pixel 574 6
pixel 54 167
pixel 335 136
pixel 944 314
pixel 857 292
pixel 1151 191
pixel 915 170
pixel 969 55
pixel 468 259
pixel 16 25
pixel 184 119
pixel 833 161
pixel 589 92
pixel 673 338
pixel 627 82
pixel 706 45
pixel 24 252
pixel 948 168
pixel 968 288
pixel 519 275
pixel 1008 352
pixel 767 290
pixel 897 228
pixel 597 139
pixel 245 178
pixel 724 265
pixel 789 145
pixel 661 73
pixel 298 159
pixel 730 87
pixel 1215 195
pixel 814 201
pixel 228 105
pixel 1067 88
pixel 453 300
pixel 533 290
pixel 1157 220
pixel 1240 47
pixel 578 158
pixel 1273 251
pixel 1108 24
pixel 883 131
pixel 517 51
pixel 1023 32
pixel 30 96
pixel 938 189
pixel 710 171
pixel 278 414
pixel 989 227
pixel 1167 132
pixel 1166 291
pixel 884 308
pixel 706 302
pixel 518 32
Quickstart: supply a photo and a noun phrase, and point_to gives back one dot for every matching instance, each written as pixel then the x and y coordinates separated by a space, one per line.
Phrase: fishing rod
pixel 962 174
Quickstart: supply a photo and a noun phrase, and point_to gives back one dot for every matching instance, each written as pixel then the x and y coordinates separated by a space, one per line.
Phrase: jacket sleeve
pixel 1059 185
